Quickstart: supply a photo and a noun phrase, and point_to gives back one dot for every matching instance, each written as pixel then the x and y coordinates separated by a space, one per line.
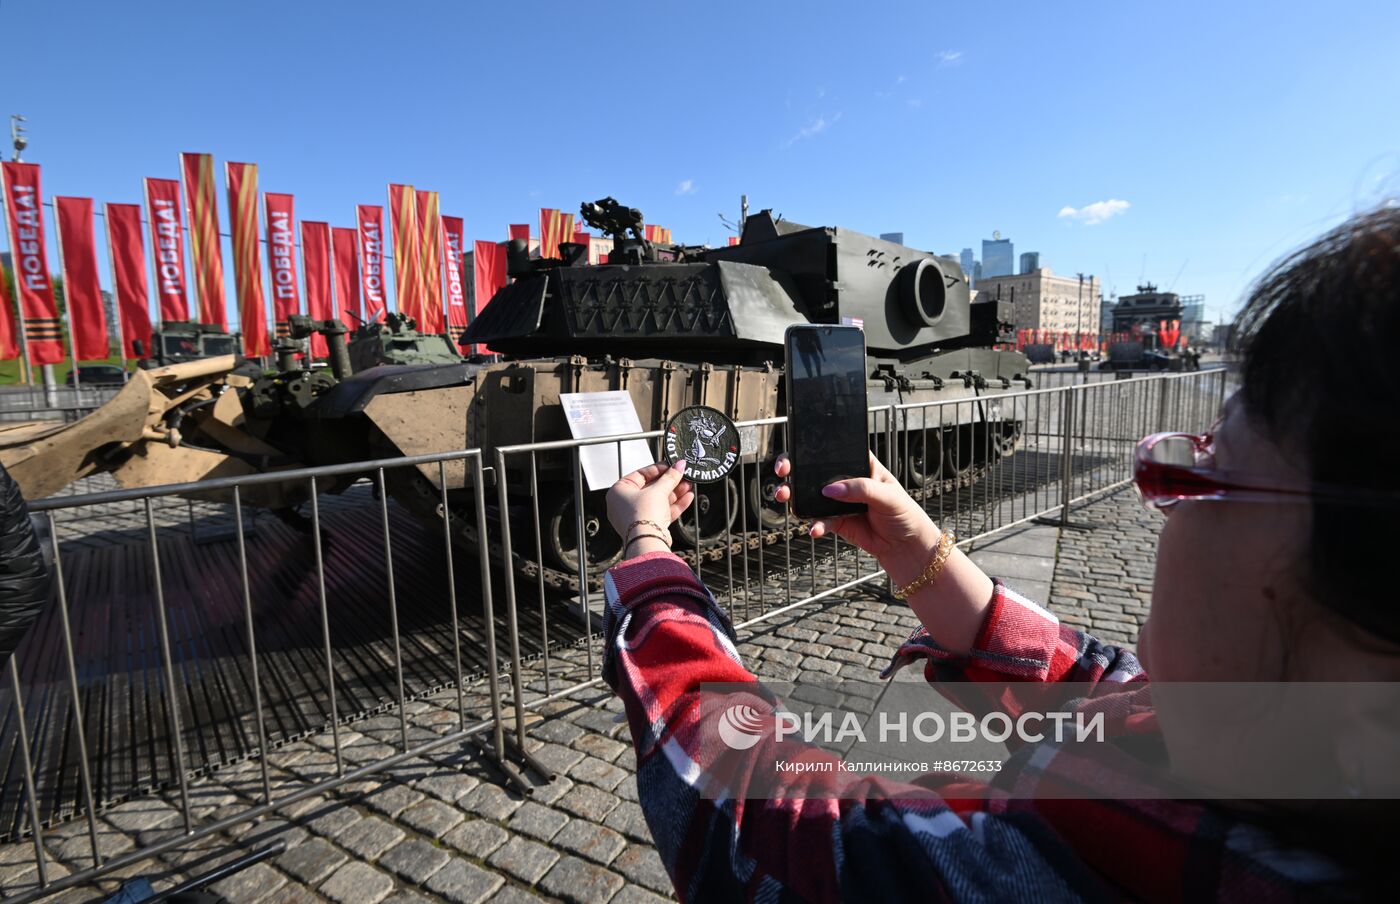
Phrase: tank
pixel 671 325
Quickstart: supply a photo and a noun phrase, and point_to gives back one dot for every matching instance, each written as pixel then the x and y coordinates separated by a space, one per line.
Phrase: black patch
pixel 706 439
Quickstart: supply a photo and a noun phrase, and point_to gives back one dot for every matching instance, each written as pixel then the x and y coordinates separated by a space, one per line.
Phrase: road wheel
pixel 603 545
pixel 709 501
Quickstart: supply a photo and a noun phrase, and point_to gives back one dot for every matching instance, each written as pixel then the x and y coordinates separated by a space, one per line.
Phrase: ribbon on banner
pixel 408 257
pixel 430 243
pixel 208 258
pixel 77 252
pixel 369 218
pixel 127 254
pixel 24 218
pixel 242 179
pixel 551 232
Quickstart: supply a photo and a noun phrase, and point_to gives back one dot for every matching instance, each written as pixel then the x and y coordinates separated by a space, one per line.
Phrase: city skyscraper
pixel 896 237
pixel 1030 262
pixel 998 256
pixel 968 262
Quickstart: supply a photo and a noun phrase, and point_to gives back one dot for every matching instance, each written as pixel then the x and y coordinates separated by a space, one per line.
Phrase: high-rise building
pixel 1030 262
pixel 896 237
pixel 968 262
pixel 998 256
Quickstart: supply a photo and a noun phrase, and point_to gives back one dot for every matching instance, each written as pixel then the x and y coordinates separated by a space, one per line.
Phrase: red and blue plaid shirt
pixel 942 837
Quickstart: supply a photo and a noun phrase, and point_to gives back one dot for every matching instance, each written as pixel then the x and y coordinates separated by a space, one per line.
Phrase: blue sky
pixel 1233 131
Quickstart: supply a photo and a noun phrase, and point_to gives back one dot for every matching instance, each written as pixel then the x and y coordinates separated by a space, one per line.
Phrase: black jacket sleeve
pixel 24 579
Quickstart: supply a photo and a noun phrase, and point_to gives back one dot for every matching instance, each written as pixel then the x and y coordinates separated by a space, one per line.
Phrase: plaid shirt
pixel 943 837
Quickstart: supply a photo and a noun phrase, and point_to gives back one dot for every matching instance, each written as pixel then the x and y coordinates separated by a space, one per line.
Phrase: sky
pixel 1186 144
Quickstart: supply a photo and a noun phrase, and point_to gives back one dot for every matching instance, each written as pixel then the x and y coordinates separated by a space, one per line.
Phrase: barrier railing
pixel 194 640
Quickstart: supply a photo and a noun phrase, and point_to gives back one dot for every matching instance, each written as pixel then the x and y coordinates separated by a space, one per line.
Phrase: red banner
pixel 347 275
pixel 282 258
pixel 733 240
pixel 584 239
pixel 9 338
pixel 242 179
pixel 452 229
pixel 488 274
pixel 205 253
pixel 430 242
pixel 127 254
pixel 316 260
pixel 77 254
pixel 167 247
pixel 25 220
pixel 521 231
pixel 370 220
pixel 551 231
pixel 408 257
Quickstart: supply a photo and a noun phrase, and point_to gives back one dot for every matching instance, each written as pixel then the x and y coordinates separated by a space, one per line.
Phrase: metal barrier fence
pixel 168 658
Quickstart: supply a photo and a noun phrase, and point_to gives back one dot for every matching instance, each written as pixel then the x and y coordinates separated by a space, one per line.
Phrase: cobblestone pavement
pixel 444 827
pixel 1104 567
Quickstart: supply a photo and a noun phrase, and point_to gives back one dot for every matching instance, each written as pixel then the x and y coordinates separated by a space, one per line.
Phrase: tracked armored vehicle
pixel 671 325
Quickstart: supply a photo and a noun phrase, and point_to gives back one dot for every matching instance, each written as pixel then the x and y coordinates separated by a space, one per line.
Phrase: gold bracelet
pixel 660 527
pixel 941 552
pixel 640 536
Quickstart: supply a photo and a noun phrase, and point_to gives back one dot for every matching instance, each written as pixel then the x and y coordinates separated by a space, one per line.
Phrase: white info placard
pixel 595 414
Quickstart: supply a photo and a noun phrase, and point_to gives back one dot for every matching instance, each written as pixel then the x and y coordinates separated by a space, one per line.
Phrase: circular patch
pixel 706 439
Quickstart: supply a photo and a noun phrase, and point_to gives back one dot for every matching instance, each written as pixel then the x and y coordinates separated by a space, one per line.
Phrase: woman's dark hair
pixel 1319 335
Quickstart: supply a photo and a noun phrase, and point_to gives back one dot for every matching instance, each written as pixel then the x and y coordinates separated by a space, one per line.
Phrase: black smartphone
pixel 826 408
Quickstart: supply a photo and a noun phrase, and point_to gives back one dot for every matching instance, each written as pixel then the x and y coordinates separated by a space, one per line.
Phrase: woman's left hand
pixel 655 493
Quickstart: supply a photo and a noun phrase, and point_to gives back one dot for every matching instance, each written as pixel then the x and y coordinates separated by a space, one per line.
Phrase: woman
pixel 1265 573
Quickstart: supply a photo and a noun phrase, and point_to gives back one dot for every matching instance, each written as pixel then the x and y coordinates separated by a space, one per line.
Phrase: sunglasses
pixel 1170 467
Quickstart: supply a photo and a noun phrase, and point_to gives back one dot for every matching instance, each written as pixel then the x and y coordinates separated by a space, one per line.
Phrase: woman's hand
pixel 894 529
pixel 655 493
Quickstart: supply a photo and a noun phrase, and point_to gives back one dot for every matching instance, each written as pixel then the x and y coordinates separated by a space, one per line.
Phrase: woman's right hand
pixel 894 528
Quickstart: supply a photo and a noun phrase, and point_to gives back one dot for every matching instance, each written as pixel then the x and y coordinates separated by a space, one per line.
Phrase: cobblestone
pixel 477 838
pixel 590 840
pixel 415 860
pixel 358 883
pixel 312 861
pixel 525 860
pixel 462 882
pixel 249 886
pixel 430 817
pixel 537 821
pixel 576 880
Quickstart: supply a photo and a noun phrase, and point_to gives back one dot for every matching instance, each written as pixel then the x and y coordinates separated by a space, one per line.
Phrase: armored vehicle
pixel 178 341
pixel 671 325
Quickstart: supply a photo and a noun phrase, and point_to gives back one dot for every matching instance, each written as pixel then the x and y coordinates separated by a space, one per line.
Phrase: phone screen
pixel 827 425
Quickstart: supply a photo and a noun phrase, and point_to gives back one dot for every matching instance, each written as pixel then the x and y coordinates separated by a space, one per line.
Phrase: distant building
pixel 1042 300
pixel 1193 320
pixel 1030 262
pixel 1106 317
pixel 896 237
pixel 1147 308
pixel 969 263
pixel 998 256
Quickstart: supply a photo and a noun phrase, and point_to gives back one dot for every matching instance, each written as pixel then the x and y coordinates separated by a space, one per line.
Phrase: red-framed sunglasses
pixel 1170 467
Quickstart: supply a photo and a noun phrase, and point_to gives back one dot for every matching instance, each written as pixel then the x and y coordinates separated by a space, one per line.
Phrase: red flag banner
pixel 77 253
pixel 489 274
pixel 584 239
pixel 167 247
pixel 127 254
pixel 733 240
pixel 430 243
pixel 242 179
pixel 551 231
pixel 370 220
pixel 9 338
pixel 521 231
pixel 452 228
pixel 282 259
pixel 208 257
pixel 408 257
pixel 316 259
pixel 24 218
pixel 347 275
pixel 566 226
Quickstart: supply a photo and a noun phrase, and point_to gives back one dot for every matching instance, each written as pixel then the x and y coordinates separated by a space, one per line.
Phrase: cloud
pixel 1093 214
pixel 949 58
pixel 687 187
pixel 813 129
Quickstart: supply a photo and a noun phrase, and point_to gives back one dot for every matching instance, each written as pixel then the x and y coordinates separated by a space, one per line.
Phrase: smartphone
pixel 827 427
